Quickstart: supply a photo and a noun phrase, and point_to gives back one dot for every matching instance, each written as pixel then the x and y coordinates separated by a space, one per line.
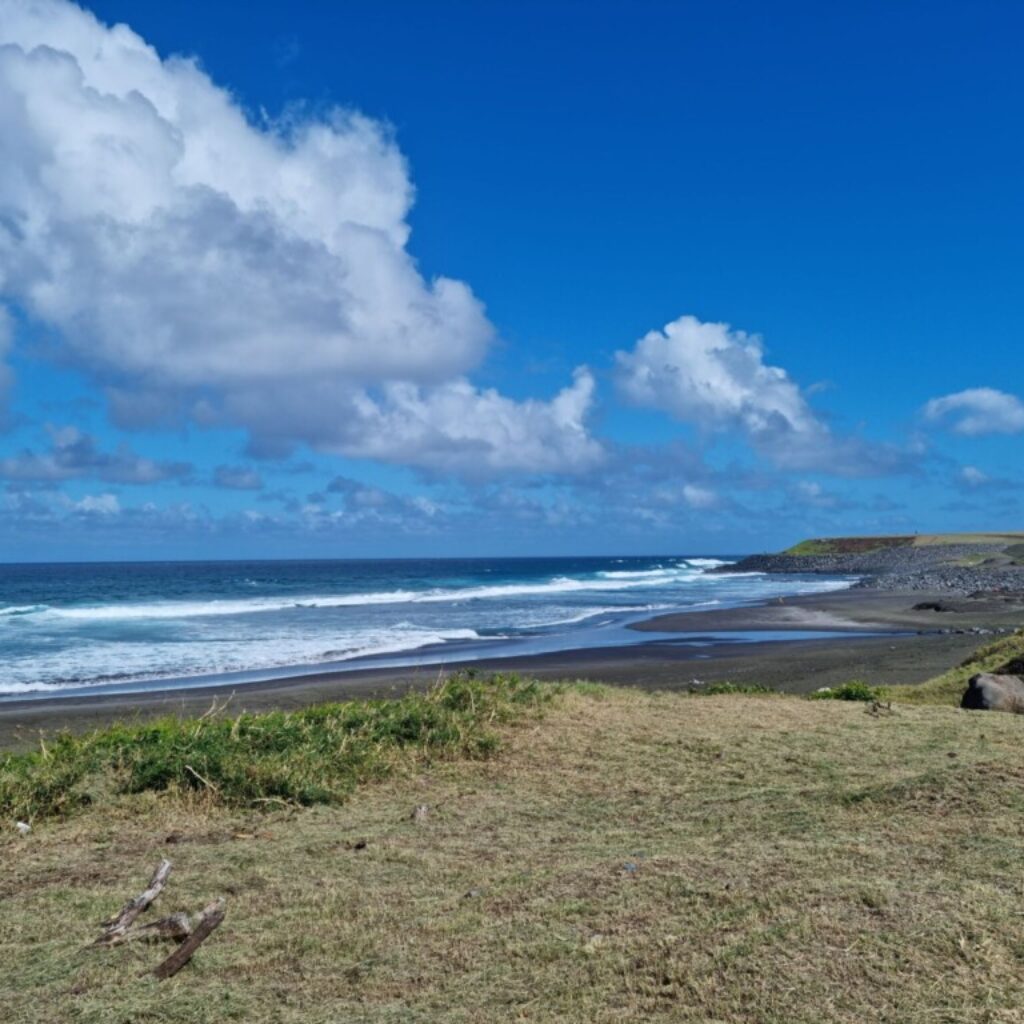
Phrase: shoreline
pixel 916 645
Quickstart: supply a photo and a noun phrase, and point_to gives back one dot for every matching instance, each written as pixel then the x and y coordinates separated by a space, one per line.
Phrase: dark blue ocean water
pixel 69 628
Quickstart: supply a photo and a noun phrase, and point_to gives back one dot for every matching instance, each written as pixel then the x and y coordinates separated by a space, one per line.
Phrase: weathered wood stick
pixel 177 927
pixel 117 926
pixel 210 918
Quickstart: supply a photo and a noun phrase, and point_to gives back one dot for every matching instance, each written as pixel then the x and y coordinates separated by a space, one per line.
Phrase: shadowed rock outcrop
pixel 987 692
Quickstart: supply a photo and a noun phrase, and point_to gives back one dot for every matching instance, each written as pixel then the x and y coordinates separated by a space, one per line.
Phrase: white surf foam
pixel 249 606
pixel 21 609
pixel 90 666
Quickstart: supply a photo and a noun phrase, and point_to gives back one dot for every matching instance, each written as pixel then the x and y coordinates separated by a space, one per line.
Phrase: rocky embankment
pixel 951 568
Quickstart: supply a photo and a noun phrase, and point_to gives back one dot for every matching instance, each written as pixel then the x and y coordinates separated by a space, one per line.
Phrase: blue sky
pixel 410 279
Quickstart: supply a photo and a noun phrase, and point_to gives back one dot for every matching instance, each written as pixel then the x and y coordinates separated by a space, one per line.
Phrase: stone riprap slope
pixel 910 563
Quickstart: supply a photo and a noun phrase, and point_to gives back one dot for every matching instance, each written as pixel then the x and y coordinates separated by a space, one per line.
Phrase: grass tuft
pixel 849 691
pixel 726 688
pixel 312 756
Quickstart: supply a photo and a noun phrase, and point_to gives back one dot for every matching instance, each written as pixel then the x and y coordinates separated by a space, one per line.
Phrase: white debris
pixel 23 827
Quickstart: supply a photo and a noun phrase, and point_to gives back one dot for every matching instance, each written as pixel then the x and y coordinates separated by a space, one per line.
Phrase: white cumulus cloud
pixel 459 427
pixel 716 377
pixel 978 411
pixel 198 263
pixel 710 374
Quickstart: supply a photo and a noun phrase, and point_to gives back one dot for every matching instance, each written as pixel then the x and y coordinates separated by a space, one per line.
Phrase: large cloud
pixel 715 377
pixel 196 263
pixel 978 411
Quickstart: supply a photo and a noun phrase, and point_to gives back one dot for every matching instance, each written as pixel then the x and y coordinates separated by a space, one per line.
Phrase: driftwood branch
pixel 115 928
pixel 176 927
pixel 209 919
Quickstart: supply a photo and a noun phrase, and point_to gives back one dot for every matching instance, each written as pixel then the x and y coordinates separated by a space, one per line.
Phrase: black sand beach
pixel 916 645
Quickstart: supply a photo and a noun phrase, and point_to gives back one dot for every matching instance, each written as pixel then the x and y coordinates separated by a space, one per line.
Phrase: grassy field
pixel 609 856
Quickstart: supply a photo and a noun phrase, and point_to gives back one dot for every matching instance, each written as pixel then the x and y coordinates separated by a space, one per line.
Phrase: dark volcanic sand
pixel 798 666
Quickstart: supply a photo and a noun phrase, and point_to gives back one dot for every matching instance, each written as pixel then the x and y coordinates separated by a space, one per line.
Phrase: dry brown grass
pixel 631 857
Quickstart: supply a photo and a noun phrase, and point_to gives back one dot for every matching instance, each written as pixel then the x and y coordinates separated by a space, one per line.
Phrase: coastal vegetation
pixel 447 855
pixel 314 755
pixel 318 754
pixel 1005 654
pixel 632 856
pixel 855 690
pixel 869 545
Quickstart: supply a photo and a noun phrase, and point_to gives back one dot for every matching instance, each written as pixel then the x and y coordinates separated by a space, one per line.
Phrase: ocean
pixel 88 628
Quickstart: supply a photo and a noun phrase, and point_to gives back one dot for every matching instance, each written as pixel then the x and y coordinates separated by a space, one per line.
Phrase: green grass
pixel 948 688
pixel 626 857
pixel 846 545
pixel 311 756
pixel 867 545
pixel 726 688
pixel 588 855
pixel 926 539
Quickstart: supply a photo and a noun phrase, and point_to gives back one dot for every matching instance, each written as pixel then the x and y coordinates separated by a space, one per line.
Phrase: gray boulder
pixel 986 692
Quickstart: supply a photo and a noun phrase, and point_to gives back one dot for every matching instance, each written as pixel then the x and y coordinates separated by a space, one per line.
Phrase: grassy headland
pixel 869 544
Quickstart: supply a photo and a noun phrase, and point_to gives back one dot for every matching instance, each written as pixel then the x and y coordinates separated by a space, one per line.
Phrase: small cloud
pixel 810 492
pixel 699 497
pixel 237 478
pixel 978 411
pixel 970 478
pixel 973 477
pixel 98 505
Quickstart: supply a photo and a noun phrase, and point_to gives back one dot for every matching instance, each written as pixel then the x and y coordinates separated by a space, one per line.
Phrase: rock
pixel 930 606
pixel 987 692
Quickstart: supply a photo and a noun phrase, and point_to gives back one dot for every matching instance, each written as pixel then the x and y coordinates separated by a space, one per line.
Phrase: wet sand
pixel 904 655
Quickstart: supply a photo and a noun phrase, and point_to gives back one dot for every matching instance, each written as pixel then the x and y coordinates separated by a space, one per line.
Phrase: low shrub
pixel 848 691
